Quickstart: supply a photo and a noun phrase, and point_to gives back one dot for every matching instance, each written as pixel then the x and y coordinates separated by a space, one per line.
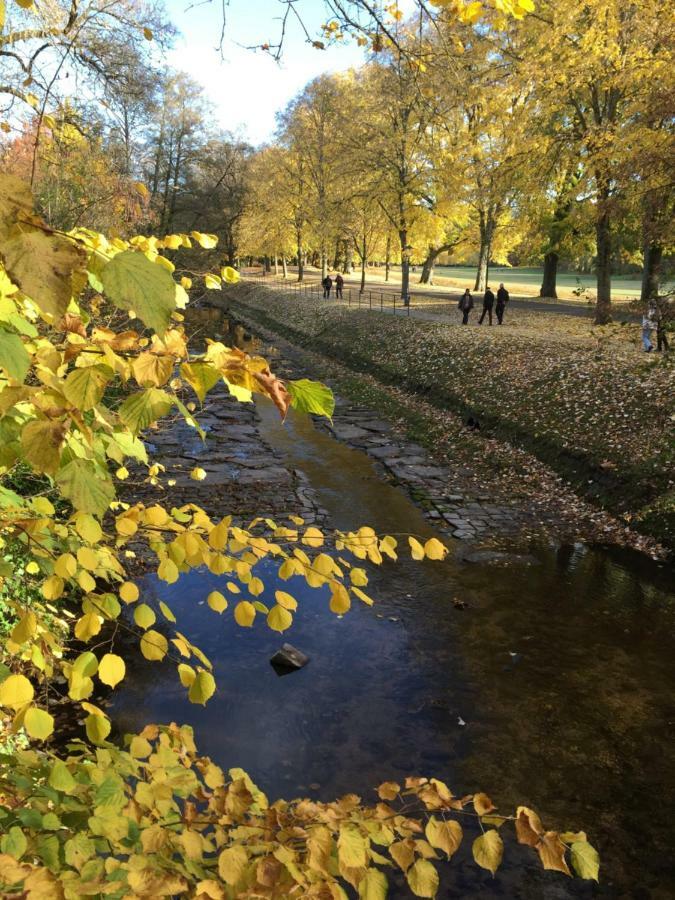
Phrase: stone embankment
pixel 244 475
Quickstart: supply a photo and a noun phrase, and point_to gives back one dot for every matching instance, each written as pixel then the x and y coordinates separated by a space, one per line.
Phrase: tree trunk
pixel 427 275
pixel 284 267
pixel 603 262
pixel 405 266
pixel 363 273
pixel 301 261
pixel 483 261
pixel 324 264
pixel 336 255
pixel 651 275
pixel 387 258
pixel 548 282
pixel 654 221
pixel 276 264
pixel 428 266
pixel 487 230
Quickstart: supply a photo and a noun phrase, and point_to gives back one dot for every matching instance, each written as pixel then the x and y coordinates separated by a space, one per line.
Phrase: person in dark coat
pixel 327 285
pixel 502 300
pixel 339 284
pixel 488 303
pixel 466 305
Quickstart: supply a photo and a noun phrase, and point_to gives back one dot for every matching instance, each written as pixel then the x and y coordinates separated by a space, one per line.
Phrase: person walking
pixel 327 285
pixel 488 303
pixel 339 284
pixel 502 300
pixel 648 322
pixel 465 305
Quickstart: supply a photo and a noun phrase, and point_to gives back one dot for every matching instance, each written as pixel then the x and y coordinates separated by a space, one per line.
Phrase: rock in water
pixel 288 659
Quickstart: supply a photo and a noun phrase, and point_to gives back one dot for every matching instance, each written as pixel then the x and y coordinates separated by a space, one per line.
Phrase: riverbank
pixel 571 424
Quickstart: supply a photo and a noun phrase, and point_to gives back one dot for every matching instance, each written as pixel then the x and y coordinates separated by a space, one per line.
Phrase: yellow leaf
pixel 244 613
pixel 232 864
pixel 111 669
pixel 255 587
pixel 352 847
pixel 65 566
pixel 207 241
pixel 151 370
pixel 140 748
pixel 217 602
pixel 87 626
pixel 154 645
pixel 38 723
pixel 168 571
pixel 340 601
pixel 186 674
pixel 129 592
pixel 212 282
pixel 373 886
pixel 312 537
pixel 16 691
pixel 98 728
pixel 445 836
pixel 144 617
pixel 88 528
pixel 363 597
pixel 166 611
pixel 417 550
pixel 86 582
pixel 88 558
pixel 198 474
pixel 423 879
pixel 230 275
pixel 482 804
pixel 25 629
pixel 192 844
pixel 279 619
pixel 52 588
pixel 285 600
pixel 434 549
pixel 488 850
pixel 202 688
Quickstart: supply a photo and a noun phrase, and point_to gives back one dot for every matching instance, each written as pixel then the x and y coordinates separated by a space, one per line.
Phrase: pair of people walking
pixel 654 318
pixel 327 284
pixel 466 305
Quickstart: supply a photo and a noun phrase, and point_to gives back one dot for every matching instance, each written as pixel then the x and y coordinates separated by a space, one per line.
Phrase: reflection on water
pixel 554 688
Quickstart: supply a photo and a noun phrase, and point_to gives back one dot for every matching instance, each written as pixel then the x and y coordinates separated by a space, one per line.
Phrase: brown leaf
pixel 73 324
pixel 267 871
pixel 552 852
pixel 388 790
pixel 276 391
pixel 482 804
pixel 42 265
pixel 16 202
pixel 528 826
pixel 403 853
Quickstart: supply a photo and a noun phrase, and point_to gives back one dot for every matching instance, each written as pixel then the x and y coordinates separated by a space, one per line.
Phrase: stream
pixel 548 682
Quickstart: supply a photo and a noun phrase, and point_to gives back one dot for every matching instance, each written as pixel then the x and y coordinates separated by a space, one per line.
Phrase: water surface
pixel 553 688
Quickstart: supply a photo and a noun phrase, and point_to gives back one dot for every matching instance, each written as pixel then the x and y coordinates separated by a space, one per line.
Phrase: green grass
pixel 622 285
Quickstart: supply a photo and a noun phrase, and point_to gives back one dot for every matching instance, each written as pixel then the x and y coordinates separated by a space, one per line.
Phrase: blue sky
pixel 248 88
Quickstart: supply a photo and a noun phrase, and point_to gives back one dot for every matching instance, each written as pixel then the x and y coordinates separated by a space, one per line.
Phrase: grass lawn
pixel 518 281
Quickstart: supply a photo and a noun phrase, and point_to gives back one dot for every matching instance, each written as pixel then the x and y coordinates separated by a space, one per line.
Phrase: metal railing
pixel 372 300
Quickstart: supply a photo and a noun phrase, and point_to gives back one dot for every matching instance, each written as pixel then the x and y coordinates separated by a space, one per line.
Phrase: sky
pixel 247 88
